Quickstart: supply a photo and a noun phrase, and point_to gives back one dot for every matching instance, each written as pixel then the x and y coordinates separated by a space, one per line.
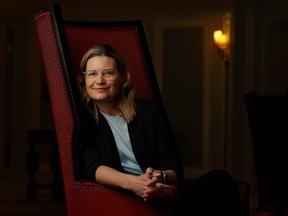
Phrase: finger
pixel 150 190
pixel 149 170
pixel 157 174
pixel 152 183
pixel 163 186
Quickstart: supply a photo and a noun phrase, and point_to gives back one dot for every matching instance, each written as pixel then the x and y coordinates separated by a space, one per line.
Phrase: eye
pixel 108 73
pixel 90 73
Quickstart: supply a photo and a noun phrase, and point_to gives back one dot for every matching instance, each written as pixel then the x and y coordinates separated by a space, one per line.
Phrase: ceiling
pixel 24 7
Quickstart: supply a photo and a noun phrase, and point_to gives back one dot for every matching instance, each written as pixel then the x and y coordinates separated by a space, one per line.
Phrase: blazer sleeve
pixel 99 147
pixel 91 155
pixel 153 140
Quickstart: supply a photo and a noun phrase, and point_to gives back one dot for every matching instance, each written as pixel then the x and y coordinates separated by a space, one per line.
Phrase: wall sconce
pixel 222 42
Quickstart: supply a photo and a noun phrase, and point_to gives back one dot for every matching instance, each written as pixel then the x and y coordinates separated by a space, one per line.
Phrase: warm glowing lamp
pixel 221 40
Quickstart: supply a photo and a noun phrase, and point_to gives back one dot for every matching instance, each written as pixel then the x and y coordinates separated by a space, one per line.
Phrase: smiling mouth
pixel 101 89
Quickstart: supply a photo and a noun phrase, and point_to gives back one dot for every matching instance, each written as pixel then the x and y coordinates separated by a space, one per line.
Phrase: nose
pixel 99 79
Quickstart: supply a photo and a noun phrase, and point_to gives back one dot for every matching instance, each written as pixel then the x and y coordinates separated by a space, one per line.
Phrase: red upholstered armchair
pixel 62 44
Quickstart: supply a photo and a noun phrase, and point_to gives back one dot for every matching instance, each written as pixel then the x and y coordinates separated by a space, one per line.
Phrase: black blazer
pixel 151 138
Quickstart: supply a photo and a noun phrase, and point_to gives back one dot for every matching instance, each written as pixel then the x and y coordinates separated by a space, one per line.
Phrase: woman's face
pixel 103 81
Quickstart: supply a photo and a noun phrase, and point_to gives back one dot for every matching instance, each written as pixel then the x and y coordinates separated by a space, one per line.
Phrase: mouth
pixel 101 89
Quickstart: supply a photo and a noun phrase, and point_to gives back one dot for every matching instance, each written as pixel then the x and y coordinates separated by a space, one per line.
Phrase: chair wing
pixel 62 44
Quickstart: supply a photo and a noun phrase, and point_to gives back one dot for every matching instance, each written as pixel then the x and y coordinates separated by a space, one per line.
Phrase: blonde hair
pixel 126 97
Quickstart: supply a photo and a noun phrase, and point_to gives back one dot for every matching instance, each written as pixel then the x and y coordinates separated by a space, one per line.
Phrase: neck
pixel 109 109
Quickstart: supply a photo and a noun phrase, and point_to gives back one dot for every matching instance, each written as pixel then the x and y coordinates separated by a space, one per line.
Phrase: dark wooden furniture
pixel 36 138
pixel 268 119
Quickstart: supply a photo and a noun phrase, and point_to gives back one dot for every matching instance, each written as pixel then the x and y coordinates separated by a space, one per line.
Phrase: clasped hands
pixel 152 187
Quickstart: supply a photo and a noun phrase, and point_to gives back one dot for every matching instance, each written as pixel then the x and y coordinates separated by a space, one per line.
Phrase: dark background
pixel 204 101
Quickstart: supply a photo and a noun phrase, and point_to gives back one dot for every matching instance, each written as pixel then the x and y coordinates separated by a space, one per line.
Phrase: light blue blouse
pixel 120 131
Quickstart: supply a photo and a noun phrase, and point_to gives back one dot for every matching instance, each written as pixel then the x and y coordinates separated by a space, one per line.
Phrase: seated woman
pixel 129 143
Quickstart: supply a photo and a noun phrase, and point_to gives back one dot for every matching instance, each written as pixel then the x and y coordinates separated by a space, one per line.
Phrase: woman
pixel 129 143
pixel 131 139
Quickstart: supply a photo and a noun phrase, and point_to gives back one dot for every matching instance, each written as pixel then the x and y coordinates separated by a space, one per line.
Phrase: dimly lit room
pixel 219 67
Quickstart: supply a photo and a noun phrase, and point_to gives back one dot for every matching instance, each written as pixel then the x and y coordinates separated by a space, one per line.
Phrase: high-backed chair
pixel 268 119
pixel 62 44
